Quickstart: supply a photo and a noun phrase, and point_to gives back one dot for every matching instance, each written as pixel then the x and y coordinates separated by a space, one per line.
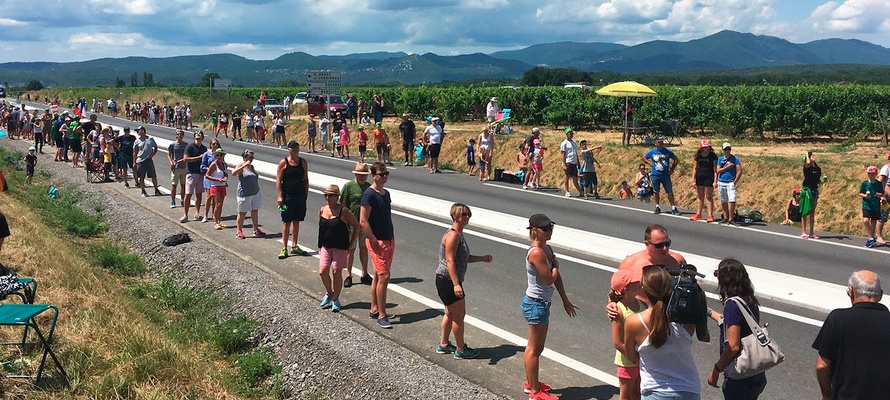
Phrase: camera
pixel 685 271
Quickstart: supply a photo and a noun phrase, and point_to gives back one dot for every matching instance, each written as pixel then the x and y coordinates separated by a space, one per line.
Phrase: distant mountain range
pixel 723 50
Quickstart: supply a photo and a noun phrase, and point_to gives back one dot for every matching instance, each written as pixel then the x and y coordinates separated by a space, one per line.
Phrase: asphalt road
pixel 494 290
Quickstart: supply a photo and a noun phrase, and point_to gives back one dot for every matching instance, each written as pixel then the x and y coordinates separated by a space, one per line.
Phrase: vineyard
pixel 750 112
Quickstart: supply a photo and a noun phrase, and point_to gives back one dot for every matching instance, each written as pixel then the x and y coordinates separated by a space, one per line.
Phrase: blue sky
pixel 55 30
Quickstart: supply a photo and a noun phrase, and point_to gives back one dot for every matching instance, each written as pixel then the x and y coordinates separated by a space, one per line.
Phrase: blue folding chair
pixel 24 315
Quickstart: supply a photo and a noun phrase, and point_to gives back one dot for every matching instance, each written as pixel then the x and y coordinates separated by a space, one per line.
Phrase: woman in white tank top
pixel 662 348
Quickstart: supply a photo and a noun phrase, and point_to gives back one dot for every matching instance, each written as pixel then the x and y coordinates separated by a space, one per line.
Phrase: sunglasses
pixel 661 245
pixel 384 173
pixel 330 195
pixel 468 215
pixel 547 228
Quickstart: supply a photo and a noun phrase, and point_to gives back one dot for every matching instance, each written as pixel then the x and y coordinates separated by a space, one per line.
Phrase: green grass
pixel 117 260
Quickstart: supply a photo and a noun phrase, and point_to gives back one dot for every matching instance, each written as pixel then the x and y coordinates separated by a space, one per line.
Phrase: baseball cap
pixel 537 130
pixel 726 145
pixel 659 139
pixel 361 127
pixel 126 128
pixel 568 130
pixel 796 191
pixel 624 277
pixel 872 170
pixel 32 148
pixel 140 128
pixel 539 221
pixel 888 154
pixel 704 143
pixel 292 144
pixel 435 119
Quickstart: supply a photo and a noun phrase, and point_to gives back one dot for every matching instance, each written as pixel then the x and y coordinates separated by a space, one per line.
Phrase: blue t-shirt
pixel 471 153
pixel 728 175
pixel 380 217
pixel 661 161
pixel 732 315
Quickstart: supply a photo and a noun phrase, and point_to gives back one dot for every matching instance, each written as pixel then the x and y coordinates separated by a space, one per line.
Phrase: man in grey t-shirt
pixel 175 152
pixel 144 149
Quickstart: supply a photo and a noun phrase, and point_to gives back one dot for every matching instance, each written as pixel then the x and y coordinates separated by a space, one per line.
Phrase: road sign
pixel 222 84
pixel 323 82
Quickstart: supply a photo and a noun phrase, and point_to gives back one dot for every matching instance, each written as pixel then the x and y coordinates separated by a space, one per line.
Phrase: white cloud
pixel 863 16
pixel 109 39
pixel 235 47
pixel 11 22
pixel 126 7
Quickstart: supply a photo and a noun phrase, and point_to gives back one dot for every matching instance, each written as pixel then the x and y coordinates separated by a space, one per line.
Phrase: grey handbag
pixel 759 352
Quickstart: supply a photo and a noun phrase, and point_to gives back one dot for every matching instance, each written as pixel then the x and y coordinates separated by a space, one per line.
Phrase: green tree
pixel 148 80
pixel 34 85
pixel 208 78
pixel 291 83
pixel 119 82
pixel 134 79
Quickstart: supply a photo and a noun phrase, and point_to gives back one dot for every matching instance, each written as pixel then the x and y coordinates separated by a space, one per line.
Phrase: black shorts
pixel 446 291
pixel 146 169
pixel 874 215
pixel 59 142
pixel 704 180
pixel 125 161
pixel 590 179
pixel 408 144
pixel 471 163
pixel 29 170
pixel 362 148
pixel 434 150
pixel 236 124
pixel 279 129
pixel 351 114
pixel 296 209
pixel 381 148
pixel 75 146
pixel 571 170
pixel 4 226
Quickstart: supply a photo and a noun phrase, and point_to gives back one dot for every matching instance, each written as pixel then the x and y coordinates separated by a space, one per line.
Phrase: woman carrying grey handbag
pixel 733 283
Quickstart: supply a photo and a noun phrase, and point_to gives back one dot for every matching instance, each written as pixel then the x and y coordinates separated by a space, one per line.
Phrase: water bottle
pixel 748 221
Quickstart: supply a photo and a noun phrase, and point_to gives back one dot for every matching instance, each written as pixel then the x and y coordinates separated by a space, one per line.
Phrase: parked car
pixel 271 105
pixel 577 86
pixel 300 98
pixel 318 104
pixel 2 92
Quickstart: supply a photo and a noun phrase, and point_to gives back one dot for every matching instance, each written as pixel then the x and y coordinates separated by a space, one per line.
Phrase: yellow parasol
pixel 626 89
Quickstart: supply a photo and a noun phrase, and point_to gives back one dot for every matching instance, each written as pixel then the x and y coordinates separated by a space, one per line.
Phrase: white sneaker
pixel 524 187
pixel 568 194
pixel 204 219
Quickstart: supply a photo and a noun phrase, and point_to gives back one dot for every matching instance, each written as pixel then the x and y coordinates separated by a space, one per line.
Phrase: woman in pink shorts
pixel 217 174
pixel 334 241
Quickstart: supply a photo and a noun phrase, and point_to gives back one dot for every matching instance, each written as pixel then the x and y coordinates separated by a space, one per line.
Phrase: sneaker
pixel 367 279
pixel 384 323
pixel 239 235
pixel 695 217
pixel 870 243
pixel 447 349
pixel 184 219
pixel 542 395
pixel 376 315
pixel 158 193
pixel 524 187
pixel 335 307
pixel 466 353
pixel 283 254
pixel 198 217
pixel 541 385
pixel 722 221
pixel 347 282
pixel 657 210
pixel 144 194
pixel 568 194
pixel 710 218
pixel 326 301
pixel 406 164
pixel 258 233
pixel 675 211
pixel 297 251
pixel 172 204
pixel 204 219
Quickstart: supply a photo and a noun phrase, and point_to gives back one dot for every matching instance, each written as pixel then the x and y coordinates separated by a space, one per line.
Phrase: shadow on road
pixel 585 393
pixel 495 354
pixel 411 317
pixel 407 279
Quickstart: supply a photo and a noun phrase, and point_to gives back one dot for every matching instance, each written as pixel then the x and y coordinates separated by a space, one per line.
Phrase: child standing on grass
pixel 362 142
pixel 588 169
pixel 871 191
pixel 471 157
pixel 30 162
pixel 626 286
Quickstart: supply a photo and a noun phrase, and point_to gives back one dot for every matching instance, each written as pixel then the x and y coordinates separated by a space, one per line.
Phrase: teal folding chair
pixel 27 294
pixel 24 315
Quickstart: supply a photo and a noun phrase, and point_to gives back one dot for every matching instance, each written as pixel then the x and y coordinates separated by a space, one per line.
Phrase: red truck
pixel 318 104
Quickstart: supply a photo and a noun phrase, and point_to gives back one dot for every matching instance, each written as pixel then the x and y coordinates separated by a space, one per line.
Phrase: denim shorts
pixel 536 312
pixel 658 181
pixel 671 396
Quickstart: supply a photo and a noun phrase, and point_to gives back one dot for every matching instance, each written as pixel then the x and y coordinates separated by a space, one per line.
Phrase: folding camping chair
pixel 95 171
pixel 25 315
pixel 670 131
pixel 502 122
pixel 27 293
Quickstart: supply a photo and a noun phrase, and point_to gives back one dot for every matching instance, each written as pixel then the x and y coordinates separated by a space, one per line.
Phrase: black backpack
pixel 177 239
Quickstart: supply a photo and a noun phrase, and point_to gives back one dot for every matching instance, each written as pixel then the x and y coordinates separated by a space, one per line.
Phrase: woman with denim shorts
pixel 542 270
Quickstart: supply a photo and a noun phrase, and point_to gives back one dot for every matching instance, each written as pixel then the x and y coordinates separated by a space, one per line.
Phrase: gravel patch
pixel 322 355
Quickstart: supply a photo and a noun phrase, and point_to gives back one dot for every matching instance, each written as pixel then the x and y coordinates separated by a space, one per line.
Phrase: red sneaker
pixel 541 385
pixel 710 218
pixel 542 395
pixel 695 217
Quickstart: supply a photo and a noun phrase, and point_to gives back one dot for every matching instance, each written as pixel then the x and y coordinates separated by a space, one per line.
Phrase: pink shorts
pixel 630 373
pixel 382 261
pixel 537 167
pixel 336 258
pixel 218 191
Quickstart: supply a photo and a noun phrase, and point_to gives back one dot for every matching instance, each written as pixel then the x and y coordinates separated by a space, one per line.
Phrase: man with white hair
pixel 853 344
pixel 491 110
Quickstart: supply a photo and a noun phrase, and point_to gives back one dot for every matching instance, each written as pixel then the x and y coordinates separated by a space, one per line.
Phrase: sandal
pixel 814 236
pixel 804 236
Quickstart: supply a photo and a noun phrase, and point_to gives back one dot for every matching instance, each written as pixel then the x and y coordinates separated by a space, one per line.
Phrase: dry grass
pixel 109 349
pixel 771 170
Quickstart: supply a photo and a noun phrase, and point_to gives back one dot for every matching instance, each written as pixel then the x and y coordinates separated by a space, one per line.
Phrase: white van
pixel 577 86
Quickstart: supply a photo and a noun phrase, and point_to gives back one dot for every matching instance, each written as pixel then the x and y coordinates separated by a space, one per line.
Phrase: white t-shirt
pixel 492 109
pixel 570 148
pixel 435 134
pixel 885 170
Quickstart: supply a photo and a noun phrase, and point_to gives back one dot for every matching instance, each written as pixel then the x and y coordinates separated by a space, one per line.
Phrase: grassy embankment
pixel 771 168
pixel 121 333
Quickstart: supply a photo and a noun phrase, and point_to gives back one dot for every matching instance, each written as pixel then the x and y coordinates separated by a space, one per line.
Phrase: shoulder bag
pixel 759 352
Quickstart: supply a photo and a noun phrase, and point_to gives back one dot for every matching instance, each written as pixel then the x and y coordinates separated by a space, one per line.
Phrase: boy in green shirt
pixel 871 191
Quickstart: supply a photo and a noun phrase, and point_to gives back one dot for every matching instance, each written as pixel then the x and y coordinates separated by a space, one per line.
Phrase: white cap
pixel 725 145
pixel 535 129
pixel 32 148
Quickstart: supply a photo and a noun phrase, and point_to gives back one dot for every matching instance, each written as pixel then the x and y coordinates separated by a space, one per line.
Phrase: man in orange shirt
pixel 382 142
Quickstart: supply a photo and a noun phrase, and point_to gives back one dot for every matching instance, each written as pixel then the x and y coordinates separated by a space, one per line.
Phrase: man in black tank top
pixel 293 189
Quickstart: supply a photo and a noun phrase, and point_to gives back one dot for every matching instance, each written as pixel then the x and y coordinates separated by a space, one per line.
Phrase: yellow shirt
pixel 620 359
pixel 107 155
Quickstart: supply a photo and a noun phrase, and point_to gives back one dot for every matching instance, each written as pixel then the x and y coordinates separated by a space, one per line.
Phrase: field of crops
pixel 803 111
